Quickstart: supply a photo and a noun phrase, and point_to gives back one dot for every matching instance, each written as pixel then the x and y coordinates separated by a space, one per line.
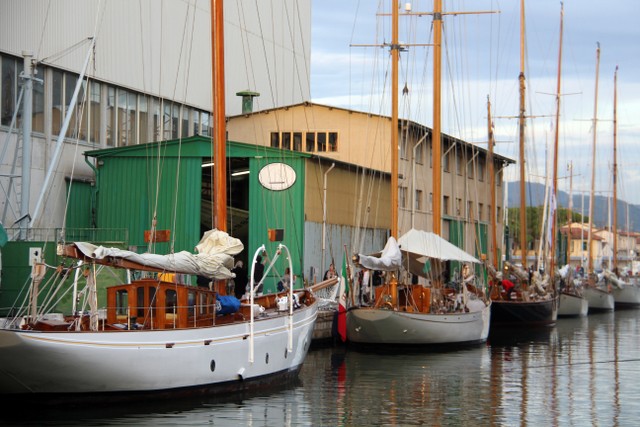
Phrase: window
pixel 498 215
pixel 480 209
pixel 37 117
pixel 111 116
pixel 430 202
pixel 402 197
pixel 207 124
pixel 419 153
pixel 93 113
pixel 74 130
pixel 184 128
pixel 122 303
pixel 57 111
pixel 297 141
pixel 445 161
pixel 430 155
pixel 481 171
pixel 403 145
pixel 157 120
pixel 275 140
pixel 458 207
pixel 333 141
pixel 140 306
pixel 470 166
pixel 469 210
pixel 459 165
pixel 322 141
pixel 126 129
pixel 286 141
pixel 499 178
pixel 311 142
pixel 418 200
pixel 445 205
pixel 9 89
pixel 196 122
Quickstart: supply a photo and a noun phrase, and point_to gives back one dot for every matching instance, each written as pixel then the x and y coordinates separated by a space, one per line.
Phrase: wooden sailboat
pixel 595 290
pixel 403 313
pixel 518 297
pixel 625 293
pixel 572 302
pixel 157 337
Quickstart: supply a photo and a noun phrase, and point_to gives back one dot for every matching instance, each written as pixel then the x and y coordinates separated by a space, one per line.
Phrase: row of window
pixel 309 142
pixel 103 114
pixel 402 201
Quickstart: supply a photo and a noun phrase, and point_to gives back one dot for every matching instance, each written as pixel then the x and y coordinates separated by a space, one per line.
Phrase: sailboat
pixel 518 297
pixel 625 293
pixel 407 313
pixel 572 302
pixel 595 289
pixel 158 337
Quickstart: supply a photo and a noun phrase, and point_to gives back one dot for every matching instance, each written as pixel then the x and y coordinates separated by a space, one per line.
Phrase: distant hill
pixel 535 197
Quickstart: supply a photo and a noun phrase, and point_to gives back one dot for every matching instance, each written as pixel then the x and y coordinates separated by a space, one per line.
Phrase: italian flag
pixel 342 300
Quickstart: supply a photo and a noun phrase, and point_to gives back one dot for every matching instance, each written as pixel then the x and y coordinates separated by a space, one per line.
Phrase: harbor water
pixel 579 372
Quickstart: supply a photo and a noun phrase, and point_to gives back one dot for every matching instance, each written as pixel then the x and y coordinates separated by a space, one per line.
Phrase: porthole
pixel 212 366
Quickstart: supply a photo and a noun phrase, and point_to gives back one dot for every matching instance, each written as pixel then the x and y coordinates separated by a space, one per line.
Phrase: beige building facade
pixel 350 150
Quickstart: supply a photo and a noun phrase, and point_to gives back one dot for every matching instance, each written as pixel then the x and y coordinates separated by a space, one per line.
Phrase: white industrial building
pixel 147 78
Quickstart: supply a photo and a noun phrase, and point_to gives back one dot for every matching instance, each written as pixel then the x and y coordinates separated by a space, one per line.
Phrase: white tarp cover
pixel 214 258
pixel 431 245
pixel 389 260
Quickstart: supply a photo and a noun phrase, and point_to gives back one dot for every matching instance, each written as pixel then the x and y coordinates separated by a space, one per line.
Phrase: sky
pixel 481 60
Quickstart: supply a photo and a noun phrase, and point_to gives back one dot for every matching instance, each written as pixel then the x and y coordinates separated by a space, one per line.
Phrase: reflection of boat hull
pixel 628 296
pixel 110 364
pixel 599 300
pixel 531 313
pixel 572 305
pixel 383 326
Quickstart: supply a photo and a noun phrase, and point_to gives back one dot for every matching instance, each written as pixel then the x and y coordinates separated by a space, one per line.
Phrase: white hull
pixel 629 295
pixel 152 360
pixel 381 326
pixel 572 306
pixel 598 299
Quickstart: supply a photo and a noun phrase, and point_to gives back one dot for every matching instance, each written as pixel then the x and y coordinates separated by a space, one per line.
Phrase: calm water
pixel 581 372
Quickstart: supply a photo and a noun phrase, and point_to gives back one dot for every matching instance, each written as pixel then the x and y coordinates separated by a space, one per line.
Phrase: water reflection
pixel 583 371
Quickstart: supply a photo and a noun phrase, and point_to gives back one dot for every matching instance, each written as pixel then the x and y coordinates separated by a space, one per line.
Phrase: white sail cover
pixel 430 245
pixel 389 260
pixel 214 258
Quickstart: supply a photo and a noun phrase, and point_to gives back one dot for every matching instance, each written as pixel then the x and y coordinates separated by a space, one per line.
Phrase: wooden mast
pixel 615 172
pixel 593 164
pixel 436 140
pixel 219 119
pixel 395 48
pixel 521 125
pixel 492 183
pixel 569 213
pixel 554 194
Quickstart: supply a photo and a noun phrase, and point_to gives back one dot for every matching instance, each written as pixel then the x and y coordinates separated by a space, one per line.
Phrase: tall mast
pixel 436 140
pixel 615 172
pixel 394 118
pixel 554 191
pixel 569 213
pixel 593 163
pixel 219 121
pixel 521 125
pixel 492 183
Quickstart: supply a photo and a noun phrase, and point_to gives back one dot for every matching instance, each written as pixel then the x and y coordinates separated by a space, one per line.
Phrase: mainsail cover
pixel 389 260
pixel 430 245
pixel 214 258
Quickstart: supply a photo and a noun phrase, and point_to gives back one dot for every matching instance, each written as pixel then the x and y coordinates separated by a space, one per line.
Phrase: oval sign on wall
pixel 277 176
